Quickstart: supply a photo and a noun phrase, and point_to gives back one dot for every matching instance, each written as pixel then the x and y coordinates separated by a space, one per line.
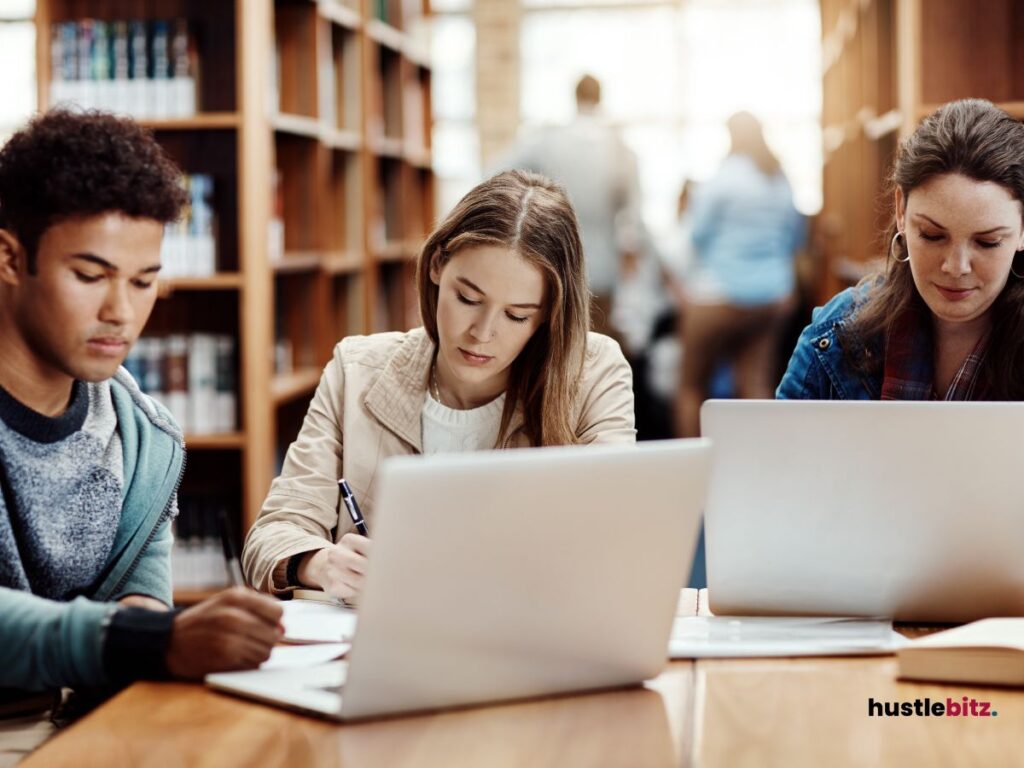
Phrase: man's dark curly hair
pixel 65 165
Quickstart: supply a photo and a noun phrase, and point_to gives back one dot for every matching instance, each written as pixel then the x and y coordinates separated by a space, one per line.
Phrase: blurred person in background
pixel 739 290
pixel 590 159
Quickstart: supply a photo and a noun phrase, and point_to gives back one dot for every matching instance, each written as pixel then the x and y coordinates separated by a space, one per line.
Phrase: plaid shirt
pixel 909 365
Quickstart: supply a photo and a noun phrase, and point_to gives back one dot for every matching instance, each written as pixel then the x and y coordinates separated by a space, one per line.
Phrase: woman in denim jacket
pixel 946 320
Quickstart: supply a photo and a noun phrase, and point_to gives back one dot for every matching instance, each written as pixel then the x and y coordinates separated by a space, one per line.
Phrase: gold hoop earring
pixel 1012 272
pixel 892 248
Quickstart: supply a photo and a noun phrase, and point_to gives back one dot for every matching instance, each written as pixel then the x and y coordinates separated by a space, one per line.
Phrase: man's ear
pixel 12 254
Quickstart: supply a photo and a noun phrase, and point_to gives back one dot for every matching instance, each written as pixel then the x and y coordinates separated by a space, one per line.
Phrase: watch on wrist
pixel 291 574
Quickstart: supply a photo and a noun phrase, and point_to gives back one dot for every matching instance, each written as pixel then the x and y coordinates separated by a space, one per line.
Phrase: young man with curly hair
pixel 89 465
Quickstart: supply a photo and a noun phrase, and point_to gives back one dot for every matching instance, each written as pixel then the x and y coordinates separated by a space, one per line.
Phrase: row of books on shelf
pixel 190 244
pixel 193 376
pixel 197 556
pixel 143 68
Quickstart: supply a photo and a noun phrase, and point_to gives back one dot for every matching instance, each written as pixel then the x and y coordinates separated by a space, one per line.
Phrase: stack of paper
pixel 316 621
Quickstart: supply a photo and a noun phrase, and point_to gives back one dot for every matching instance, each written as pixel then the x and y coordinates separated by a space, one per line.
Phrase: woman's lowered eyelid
pixel 476 302
pixel 936 237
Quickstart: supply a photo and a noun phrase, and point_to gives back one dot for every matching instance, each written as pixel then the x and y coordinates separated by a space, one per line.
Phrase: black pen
pixel 234 568
pixel 353 508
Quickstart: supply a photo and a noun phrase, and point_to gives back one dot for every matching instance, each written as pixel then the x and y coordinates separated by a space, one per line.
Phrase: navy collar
pixel 45 429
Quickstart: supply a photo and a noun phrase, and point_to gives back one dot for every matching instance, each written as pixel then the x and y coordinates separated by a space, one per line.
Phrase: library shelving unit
pixel 311 118
pixel 888 64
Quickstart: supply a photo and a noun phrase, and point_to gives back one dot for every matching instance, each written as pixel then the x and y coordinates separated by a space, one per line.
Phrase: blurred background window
pixel 672 73
pixel 17 63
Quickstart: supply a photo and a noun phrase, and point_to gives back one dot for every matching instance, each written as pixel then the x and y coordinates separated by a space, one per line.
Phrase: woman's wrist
pixel 309 568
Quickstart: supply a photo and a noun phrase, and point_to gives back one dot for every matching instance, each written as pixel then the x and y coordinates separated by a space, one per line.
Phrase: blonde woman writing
pixel 503 360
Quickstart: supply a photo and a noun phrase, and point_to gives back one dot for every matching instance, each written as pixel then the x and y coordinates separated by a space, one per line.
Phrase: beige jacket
pixel 367 408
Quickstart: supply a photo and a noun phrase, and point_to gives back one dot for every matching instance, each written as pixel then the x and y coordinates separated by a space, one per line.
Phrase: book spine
pixel 183 67
pixel 121 67
pixel 202 383
pixel 101 67
pixel 227 403
pixel 57 74
pixel 154 378
pixel 139 61
pixel 133 362
pixel 201 226
pixel 176 384
pixel 159 70
pixel 72 84
pixel 86 95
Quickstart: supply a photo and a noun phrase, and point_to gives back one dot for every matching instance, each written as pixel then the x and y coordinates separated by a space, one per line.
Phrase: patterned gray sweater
pixel 61 481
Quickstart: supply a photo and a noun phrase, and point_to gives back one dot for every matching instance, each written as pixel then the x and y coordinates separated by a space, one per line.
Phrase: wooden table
pixel 778 712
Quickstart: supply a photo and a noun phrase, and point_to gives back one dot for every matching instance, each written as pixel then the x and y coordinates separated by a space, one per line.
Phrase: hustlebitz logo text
pixel 964 707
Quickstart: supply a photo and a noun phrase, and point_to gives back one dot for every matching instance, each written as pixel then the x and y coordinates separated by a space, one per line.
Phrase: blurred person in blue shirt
pixel 739 288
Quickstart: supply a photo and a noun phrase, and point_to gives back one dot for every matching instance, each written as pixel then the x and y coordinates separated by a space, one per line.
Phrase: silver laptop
pixel 913 511
pixel 510 574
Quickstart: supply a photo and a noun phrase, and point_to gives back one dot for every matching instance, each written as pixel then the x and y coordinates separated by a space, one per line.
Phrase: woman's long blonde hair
pixel 532 216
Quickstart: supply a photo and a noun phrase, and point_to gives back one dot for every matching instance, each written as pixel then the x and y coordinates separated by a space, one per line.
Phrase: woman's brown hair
pixel 978 140
pixel 532 216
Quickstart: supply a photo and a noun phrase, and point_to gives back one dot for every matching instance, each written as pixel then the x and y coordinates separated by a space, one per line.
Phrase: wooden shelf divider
pixel 227 441
pixel 218 282
pixel 339 14
pixel 200 122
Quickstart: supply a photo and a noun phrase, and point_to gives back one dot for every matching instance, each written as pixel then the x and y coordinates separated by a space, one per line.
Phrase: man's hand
pixel 234 629
pixel 340 569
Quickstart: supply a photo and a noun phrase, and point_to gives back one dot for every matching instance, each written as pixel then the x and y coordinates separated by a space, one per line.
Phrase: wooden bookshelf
pixel 221 442
pixel 217 282
pixel 887 64
pixel 207 121
pixel 315 113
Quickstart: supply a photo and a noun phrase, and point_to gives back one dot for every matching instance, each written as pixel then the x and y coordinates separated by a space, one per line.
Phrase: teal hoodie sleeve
pixel 46 644
pixel 152 574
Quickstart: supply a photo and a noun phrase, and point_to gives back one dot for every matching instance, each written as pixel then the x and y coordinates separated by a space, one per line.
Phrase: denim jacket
pixel 818 370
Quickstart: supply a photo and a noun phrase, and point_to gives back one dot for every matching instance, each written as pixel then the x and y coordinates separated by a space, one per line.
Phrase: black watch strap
pixel 291 574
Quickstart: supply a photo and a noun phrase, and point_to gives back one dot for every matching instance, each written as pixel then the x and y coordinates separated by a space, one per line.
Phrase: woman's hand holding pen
pixel 339 569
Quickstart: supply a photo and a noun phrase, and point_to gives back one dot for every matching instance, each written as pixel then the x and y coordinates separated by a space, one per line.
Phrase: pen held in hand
pixel 234 568
pixel 349 500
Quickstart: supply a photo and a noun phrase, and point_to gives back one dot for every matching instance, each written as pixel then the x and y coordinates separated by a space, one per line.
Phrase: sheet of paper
pixel 710 637
pixel 296 656
pixel 314 621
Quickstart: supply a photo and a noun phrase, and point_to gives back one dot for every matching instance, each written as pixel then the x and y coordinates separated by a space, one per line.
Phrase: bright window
pixel 672 74
pixel 17 63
